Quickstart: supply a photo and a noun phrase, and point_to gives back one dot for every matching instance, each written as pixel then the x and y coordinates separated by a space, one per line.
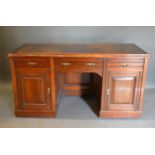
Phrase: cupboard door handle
pixel 65 64
pixel 32 63
pixel 125 65
pixel 49 91
pixel 90 64
pixel 108 92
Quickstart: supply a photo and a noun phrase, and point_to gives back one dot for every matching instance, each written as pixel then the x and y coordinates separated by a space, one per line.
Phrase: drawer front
pixel 78 64
pixel 136 64
pixel 32 62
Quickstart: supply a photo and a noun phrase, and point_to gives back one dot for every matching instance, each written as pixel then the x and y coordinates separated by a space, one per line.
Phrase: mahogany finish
pixel 116 73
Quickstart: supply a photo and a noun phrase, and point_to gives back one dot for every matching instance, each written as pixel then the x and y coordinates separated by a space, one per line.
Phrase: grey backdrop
pixel 13 37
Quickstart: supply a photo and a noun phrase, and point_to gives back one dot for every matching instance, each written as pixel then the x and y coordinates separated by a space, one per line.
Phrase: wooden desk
pixel 114 72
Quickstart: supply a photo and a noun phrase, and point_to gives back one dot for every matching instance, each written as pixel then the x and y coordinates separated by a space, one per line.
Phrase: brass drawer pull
pixel 125 65
pixel 90 64
pixel 32 63
pixel 65 64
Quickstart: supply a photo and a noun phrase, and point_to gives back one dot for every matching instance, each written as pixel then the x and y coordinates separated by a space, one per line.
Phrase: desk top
pixel 79 50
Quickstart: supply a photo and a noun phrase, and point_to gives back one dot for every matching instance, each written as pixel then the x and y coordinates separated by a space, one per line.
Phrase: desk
pixel 116 73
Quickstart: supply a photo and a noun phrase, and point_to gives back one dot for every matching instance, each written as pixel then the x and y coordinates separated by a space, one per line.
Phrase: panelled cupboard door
pixel 123 90
pixel 33 89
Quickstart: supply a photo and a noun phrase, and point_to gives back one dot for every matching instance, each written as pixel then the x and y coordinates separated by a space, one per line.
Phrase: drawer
pixel 31 62
pixel 78 64
pixel 125 63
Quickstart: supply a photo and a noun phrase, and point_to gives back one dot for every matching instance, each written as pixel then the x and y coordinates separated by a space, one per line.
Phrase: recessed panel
pixel 33 90
pixel 77 78
pixel 122 90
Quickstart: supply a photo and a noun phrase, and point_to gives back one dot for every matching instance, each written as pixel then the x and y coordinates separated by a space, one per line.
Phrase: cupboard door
pixel 33 89
pixel 123 90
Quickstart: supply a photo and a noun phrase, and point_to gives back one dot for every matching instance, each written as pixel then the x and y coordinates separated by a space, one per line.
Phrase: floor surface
pixel 74 112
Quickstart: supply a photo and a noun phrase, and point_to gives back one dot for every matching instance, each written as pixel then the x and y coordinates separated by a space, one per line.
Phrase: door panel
pixel 33 89
pixel 123 90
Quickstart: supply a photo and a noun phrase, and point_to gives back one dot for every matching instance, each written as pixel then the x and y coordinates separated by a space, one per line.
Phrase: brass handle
pixel 125 65
pixel 65 64
pixel 49 91
pixel 31 63
pixel 108 92
pixel 90 64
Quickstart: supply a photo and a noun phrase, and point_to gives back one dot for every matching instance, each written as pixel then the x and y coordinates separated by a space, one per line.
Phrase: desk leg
pixel 104 70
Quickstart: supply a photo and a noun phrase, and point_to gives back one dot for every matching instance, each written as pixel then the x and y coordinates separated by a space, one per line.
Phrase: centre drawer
pixel 78 65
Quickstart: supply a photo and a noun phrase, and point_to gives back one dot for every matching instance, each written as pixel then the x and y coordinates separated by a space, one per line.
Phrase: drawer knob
pixel 125 65
pixel 90 64
pixel 31 63
pixel 65 64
